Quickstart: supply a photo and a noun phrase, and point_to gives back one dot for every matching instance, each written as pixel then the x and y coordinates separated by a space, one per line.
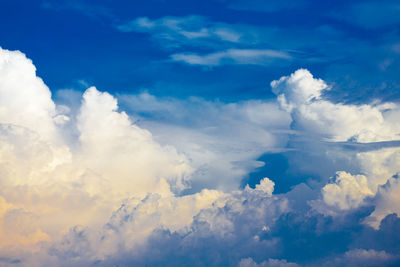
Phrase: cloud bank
pixel 161 186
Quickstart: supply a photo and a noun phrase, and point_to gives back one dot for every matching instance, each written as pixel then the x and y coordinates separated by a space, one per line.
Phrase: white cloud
pixel 182 29
pixel 60 201
pixel 387 201
pixel 300 94
pixel 104 131
pixel 24 99
pixel 48 186
pixel 233 56
pixel 346 191
pixel 249 262
pixel 208 214
pixel 363 257
pixel 223 140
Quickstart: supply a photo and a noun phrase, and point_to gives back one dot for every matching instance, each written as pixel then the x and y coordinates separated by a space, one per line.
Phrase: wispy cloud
pixel 233 56
pixel 177 31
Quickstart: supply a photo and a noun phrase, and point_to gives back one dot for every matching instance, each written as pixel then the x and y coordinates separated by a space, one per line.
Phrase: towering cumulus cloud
pixel 48 186
pixel 89 187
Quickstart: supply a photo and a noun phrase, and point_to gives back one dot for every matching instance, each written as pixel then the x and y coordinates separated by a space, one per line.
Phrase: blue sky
pixel 241 133
pixel 340 42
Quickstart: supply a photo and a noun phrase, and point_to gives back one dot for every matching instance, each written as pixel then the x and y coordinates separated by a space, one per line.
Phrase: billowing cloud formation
pixel 48 186
pixel 25 99
pixel 347 191
pixel 300 94
pixel 89 187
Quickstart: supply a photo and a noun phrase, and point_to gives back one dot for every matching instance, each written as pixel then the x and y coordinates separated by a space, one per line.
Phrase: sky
pixel 242 133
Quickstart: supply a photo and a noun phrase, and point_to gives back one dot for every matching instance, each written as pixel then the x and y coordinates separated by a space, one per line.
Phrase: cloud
pixel 174 227
pixel 233 56
pixel 180 31
pixel 135 152
pixel 223 140
pixel 387 201
pixel 362 257
pixel 347 191
pixel 249 262
pixel 303 96
pixel 300 94
pixel 90 185
pixel 322 46
pixel 25 99
pixel 49 185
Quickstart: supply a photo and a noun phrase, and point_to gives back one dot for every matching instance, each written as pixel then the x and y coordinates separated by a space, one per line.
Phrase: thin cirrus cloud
pixel 198 40
pixel 233 56
pixel 176 31
pixel 113 193
pixel 197 31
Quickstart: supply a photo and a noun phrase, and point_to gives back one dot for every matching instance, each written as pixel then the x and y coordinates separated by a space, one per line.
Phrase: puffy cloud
pixel 300 94
pixel 110 192
pixel 347 191
pixel 387 201
pixel 156 228
pixel 134 152
pixel 24 98
pixel 49 185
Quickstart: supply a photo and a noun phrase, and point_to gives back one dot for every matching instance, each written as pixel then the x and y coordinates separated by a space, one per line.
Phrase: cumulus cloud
pixel 156 228
pixel 387 201
pixel 300 94
pixel 25 99
pixel 134 152
pixel 346 192
pixel 116 190
pixel 48 186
